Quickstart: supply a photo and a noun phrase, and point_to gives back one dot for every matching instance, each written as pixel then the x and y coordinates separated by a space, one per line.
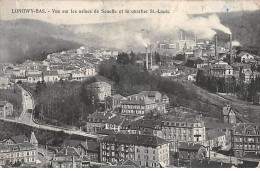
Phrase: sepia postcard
pixel 129 84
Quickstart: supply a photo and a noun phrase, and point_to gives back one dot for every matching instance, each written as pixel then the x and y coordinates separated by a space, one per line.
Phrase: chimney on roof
pixel 146 58
pixel 230 49
pixel 151 55
pixel 216 43
pixel 66 151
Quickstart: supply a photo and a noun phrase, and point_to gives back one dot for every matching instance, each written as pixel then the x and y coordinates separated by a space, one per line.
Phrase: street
pixel 26 118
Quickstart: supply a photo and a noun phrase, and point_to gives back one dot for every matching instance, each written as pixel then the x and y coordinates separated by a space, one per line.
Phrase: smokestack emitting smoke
pixel 230 48
pixel 146 57
pixel 216 43
pixel 151 55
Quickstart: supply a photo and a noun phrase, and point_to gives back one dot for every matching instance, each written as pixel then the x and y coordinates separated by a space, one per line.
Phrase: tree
pixel 123 58
pixel 133 57
pixel 157 57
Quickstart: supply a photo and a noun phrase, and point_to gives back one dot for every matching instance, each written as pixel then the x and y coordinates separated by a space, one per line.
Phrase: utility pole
pixel 209 150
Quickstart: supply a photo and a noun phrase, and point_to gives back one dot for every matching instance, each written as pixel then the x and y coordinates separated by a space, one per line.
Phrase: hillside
pixel 31 39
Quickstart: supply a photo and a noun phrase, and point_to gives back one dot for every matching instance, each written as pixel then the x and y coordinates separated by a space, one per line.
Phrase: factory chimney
pixel 216 50
pixel 146 58
pixel 230 48
pixel 151 55
pixel 181 34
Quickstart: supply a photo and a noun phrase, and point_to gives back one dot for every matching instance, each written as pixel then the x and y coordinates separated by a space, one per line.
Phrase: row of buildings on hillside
pixel 74 65
pixel 137 104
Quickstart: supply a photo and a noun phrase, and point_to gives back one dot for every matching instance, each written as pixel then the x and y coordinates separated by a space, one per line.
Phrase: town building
pixel 229 115
pixel 127 163
pixel 215 139
pixel 89 149
pixel 34 78
pixel 4 82
pixel 245 138
pixel 183 129
pixel 50 76
pixel 165 99
pixel 100 89
pixel 244 57
pixel 145 127
pixel 115 101
pixel 189 151
pixel 148 151
pixel 221 70
pixel 19 149
pixel 138 106
pixel 116 123
pixel 68 157
pixel 97 121
pixel 6 109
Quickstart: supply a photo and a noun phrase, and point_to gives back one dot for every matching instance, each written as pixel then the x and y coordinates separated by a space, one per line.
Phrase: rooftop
pixel 19 139
pixel 141 140
pixel 68 151
pixel 100 115
pixel 214 133
pixel 189 146
pixel 117 120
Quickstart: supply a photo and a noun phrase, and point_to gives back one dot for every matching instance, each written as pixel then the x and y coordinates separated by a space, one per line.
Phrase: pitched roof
pixel 227 110
pixel 242 127
pixel 214 133
pixel 101 115
pixel 117 120
pixel 50 73
pixel 165 97
pixel 33 139
pixel 195 163
pixel 189 146
pixel 220 66
pixel 68 151
pixel 71 143
pixel 242 54
pixel 145 123
pixel 141 140
pixel 143 102
pixel 118 96
pixel 22 146
pixel 19 139
pixel 129 162
pixel 90 146
pixel 210 125
pixel 150 93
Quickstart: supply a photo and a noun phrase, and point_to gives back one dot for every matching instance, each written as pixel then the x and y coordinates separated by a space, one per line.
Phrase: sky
pixel 187 7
